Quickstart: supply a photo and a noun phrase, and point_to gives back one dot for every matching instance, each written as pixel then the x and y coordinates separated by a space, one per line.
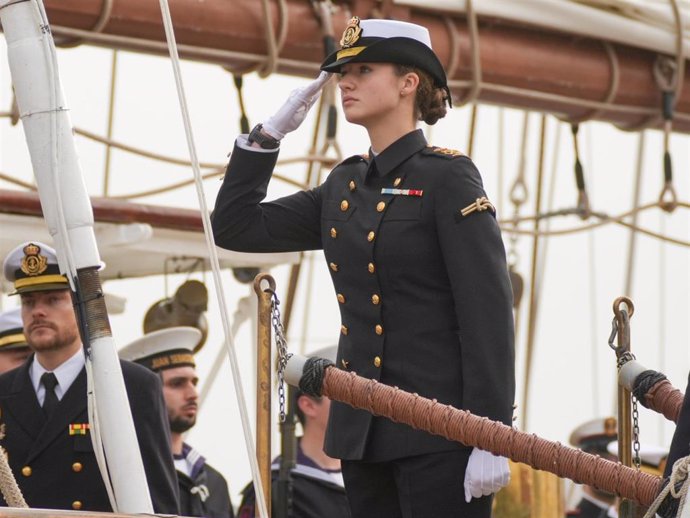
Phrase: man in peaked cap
pixel 43 403
pixel 13 347
pixel 317 485
pixel 594 437
pixel 170 353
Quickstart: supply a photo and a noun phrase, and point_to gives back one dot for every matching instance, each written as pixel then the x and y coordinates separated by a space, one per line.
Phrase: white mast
pixel 69 216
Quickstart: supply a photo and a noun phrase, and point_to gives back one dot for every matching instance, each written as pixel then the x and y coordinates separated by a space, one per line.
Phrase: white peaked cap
pixel 165 348
pixel 395 29
pixel 12 330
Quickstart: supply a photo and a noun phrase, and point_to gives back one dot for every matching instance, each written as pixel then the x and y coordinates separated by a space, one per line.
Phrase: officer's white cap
pixel 376 28
pixel 164 349
pixel 12 330
pixel 600 431
pixel 33 266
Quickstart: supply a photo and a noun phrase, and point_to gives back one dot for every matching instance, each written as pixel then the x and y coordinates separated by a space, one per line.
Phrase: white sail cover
pixel 648 24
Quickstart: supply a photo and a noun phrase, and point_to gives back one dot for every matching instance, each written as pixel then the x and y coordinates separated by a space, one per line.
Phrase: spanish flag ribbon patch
pixel 78 428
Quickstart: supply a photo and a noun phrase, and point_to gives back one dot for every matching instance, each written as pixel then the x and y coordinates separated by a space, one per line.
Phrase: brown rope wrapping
pixel 666 399
pixel 461 426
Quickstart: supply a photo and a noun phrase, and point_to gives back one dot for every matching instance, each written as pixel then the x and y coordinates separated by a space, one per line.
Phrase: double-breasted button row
pixel 397 182
pixel 371 236
pixel 333 267
pixel 344 205
pixel 380 206
pixel 27 471
pixel 343 329
pixel 341 298
pixel 371 267
pixel 378 329
pixel 352 185
pixel 377 361
pixel 76 505
pixel 334 232
pixel 375 299
pixel 77 467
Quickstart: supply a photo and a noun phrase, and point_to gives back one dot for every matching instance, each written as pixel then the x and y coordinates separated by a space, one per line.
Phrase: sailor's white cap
pixel 33 266
pixel 164 349
pixel 12 330
pixel 595 434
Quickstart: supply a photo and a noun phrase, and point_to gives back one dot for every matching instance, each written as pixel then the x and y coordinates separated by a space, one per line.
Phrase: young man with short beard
pixel 170 353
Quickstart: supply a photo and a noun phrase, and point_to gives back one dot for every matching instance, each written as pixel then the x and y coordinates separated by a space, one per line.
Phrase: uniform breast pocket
pixel 82 444
pixel 404 209
pixel 337 210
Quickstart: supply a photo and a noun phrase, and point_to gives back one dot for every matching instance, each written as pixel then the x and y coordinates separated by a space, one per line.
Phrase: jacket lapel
pixel 71 405
pixel 22 403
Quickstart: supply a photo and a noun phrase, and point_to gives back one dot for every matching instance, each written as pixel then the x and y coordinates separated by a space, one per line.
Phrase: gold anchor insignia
pixel 351 33
pixel 33 262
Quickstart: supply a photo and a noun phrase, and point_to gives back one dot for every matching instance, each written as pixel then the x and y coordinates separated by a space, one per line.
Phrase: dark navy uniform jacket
pixel 424 293
pixel 58 470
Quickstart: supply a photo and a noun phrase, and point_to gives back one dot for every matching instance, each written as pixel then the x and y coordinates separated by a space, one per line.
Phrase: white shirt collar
pixel 66 373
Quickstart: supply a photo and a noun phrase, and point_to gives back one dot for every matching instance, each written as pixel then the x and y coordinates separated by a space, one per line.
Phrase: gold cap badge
pixel 33 263
pixel 351 33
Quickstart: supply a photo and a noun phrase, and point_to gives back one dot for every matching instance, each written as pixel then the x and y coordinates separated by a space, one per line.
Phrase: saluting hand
pixel 486 473
pixel 293 112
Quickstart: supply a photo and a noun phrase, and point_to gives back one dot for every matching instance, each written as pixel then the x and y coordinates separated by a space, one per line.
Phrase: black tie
pixel 50 402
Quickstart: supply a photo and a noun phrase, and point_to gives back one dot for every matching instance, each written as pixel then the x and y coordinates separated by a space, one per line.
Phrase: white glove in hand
pixel 486 473
pixel 293 112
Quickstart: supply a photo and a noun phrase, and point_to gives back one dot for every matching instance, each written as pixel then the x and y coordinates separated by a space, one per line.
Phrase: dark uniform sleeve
pixel 244 224
pixel 150 417
pixel 475 259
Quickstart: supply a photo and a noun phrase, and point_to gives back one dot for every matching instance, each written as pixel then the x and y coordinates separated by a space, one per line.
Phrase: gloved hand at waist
pixel 485 474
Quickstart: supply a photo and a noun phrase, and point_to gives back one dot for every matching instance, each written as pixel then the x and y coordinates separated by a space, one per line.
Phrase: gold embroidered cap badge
pixel 351 33
pixel 33 263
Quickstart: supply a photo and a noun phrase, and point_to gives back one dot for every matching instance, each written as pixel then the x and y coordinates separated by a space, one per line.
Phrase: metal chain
pixel 636 433
pixel 283 356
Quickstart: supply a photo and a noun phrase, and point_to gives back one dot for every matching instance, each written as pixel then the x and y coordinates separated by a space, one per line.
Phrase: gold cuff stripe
pixel 42 279
pixel 346 53
pixel 12 339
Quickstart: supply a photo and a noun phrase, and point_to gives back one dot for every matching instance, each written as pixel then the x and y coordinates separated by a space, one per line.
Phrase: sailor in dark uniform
pixel 316 487
pixel 418 266
pixel 170 353
pixel 43 403
pixel 14 350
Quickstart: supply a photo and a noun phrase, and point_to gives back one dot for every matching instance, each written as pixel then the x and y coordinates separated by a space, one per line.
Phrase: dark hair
pixel 295 401
pixel 430 100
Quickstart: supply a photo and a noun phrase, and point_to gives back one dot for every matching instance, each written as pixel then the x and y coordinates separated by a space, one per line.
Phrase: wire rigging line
pixel 213 254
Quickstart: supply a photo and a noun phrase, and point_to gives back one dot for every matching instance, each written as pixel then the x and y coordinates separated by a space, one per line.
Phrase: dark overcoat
pixel 213 501
pixel 56 469
pixel 424 292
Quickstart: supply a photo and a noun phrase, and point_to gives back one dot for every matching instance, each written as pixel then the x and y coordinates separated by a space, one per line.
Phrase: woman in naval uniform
pixel 418 266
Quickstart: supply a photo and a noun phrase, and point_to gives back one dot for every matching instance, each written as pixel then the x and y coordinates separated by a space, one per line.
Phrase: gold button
pixel 77 467
pixel 375 299
pixel 334 233
pixel 27 471
pixel 371 268
pixel 345 364
pixel 334 267
pixel 379 329
pixel 344 205
pixel 341 298
pixel 397 182
pixel 380 206
pixel 343 329
pixel 370 236
pixel 352 185
pixel 76 505
pixel 377 361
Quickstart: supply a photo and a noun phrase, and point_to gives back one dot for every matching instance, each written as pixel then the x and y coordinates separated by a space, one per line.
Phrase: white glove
pixel 293 112
pixel 485 474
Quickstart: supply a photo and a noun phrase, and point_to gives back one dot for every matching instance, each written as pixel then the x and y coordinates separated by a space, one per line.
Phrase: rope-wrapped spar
pixel 652 389
pixel 317 376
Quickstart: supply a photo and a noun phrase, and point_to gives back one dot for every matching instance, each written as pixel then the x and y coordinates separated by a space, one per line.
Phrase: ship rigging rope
pixel 476 63
pixel 8 484
pixel 201 52
pixel 679 475
pixel 605 219
pixel 215 267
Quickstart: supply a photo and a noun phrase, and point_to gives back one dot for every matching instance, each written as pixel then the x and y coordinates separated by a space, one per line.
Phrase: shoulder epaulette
pixel 354 159
pixel 444 151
